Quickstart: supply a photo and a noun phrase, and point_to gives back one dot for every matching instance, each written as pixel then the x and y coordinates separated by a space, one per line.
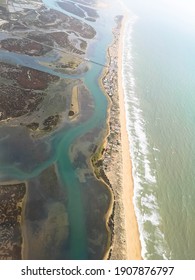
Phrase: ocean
pixel 159 84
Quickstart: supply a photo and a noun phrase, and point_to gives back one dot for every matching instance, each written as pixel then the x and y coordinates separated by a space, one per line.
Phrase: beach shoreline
pixel 117 166
pixel 132 232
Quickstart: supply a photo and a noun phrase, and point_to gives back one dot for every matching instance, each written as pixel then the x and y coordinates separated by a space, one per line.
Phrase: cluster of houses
pixel 110 79
pixel 110 83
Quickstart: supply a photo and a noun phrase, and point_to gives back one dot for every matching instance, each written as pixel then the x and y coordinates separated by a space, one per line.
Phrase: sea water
pixel 159 83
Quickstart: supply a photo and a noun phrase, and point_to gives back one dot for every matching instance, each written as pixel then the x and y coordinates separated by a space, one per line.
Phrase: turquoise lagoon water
pixel 60 143
pixel 159 82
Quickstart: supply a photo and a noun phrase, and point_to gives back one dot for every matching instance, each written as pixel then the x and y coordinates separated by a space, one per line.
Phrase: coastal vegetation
pixel 12 197
pixel 96 160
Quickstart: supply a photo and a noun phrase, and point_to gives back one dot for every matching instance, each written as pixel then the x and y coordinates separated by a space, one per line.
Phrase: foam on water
pixel 145 181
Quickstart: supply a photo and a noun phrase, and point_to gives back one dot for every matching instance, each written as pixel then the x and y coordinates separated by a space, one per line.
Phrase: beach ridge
pixel 117 167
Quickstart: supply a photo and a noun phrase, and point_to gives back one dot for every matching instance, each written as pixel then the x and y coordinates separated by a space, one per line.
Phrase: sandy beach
pixel 116 160
pixel 131 226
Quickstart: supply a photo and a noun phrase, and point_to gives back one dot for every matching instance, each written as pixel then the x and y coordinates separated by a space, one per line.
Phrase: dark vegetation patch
pixel 71 8
pixel 90 19
pixel 23 91
pixel 26 77
pixel 33 126
pixel 51 122
pixel 71 113
pixel 26 46
pixel 61 38
pixel 66 22
pixel 90 11
pixel 11 197
pixel 16 102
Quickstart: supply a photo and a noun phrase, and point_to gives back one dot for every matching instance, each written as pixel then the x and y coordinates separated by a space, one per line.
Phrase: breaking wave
pixel 145 180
